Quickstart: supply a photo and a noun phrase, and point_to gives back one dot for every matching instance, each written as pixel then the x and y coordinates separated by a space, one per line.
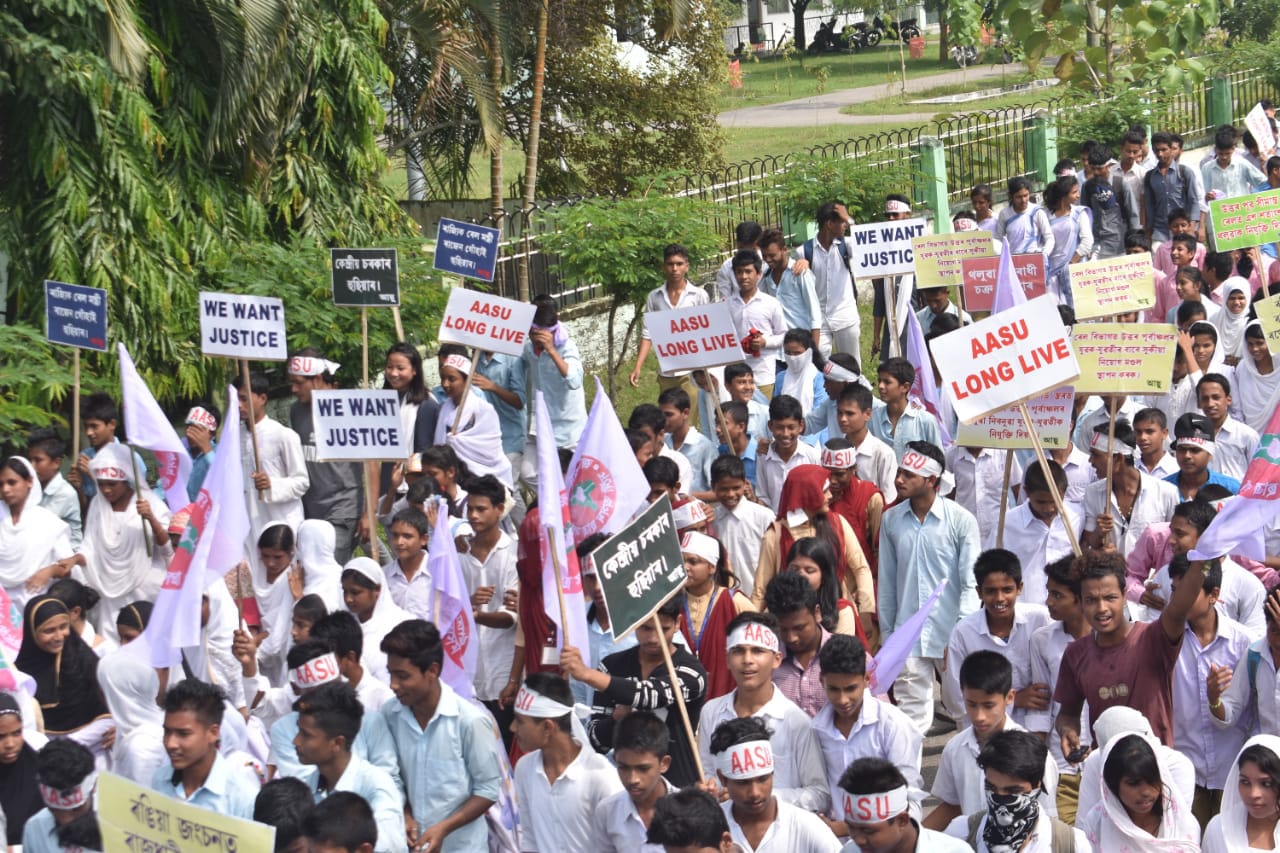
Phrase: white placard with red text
pixel 1012 356
pixel 487 322
pixel 688 338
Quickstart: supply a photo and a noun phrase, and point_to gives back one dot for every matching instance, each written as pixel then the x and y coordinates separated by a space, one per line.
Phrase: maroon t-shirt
pixel 1138 673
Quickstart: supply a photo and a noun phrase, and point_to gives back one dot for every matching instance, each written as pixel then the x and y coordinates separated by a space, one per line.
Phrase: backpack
pixel 1061 840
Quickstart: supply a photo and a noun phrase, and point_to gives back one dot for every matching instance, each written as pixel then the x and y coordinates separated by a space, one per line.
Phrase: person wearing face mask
pixel 1013 822
pixel 803 376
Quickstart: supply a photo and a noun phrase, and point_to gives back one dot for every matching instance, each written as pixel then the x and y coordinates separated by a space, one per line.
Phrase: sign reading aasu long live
pixel 485 321
pixel 357 425
pixel 884 248
pixel 702 336
pixel 1012 356
pixel 238 326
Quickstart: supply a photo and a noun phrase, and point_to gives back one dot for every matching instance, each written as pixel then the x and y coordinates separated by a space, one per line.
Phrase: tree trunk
pixel 798 8
pixel 942 34
pixel 531 151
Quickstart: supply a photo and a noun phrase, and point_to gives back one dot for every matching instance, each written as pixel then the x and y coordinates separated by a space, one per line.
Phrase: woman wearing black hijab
pixel 65 670
pixel 19 795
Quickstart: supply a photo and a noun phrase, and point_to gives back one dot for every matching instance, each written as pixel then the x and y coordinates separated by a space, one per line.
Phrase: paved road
pixel 825 109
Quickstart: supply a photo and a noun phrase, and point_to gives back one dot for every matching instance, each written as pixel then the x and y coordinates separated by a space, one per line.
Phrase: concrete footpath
pixel 825 109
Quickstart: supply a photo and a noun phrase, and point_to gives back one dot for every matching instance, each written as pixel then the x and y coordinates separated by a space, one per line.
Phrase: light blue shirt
pixel 38 835
pixel 379 791
pixel 797 295
pixel 199 470
pixel 453 759
pixel 566 403
pixel 373 744
pixel 914 558
pixel 227 790
pixel 59 497
pixel 926 317
pixel 507 371
pixel 916 424
pixel 700 452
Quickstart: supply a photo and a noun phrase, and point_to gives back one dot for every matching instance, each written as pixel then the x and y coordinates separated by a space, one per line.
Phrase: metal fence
pixel 986 146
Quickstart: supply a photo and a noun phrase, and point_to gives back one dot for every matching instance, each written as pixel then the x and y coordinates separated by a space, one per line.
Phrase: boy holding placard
pixel 275 470
pixel 676 292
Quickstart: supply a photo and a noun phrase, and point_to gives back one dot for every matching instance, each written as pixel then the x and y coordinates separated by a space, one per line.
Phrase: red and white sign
pixel 686 338
pixel 1012 356
pixel 487 322
pixel 978 277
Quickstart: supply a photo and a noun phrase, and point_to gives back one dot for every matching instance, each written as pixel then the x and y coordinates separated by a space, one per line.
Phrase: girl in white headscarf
pixel 131 688
pixel 365 593
pixel 478 438
pixel 1139 811
pixel 1233 318
pixel 1257 382
pixel 802 378
pixel 272 568
pixel 32 539
pixel 1250 816
pixel 321 573
pixel 123 517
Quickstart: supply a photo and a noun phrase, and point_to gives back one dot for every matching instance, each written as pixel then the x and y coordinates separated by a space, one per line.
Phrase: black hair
pixel 926 448
pixel 673 607
pixel 336 710
pixel 75 594
pixel 1185 240
pixel 1266 760
pixel 1161 137
pixel 898 368
pixel 642 731
pixel 418 642
pixel 1201 327
pixel 987 672
pixel 843 654
pixel 677 397
pixel 447 350
pixel 445 458
pixel 982 191
pixel 1181 564
pixel 206 701
pixel 738 730
pixel 1152 414
pixel 737 370
pixel 789 592
pixel 302 653
pixel 1018 184
pixel 804 337
pixel 650 416
pixel 638 440
pixel 858 394
pixel 310 608
pixel 997 560
pixel 1058 190
pixel 751 232
pixel 1132 758
pixel 100 406
pixel 546 312
pixel 556 689
pixel 827 213
pixel 848 361
pixel 1096 565
pixel 1123 434
pixel 259 385
pixel 488 486
pixel 63 765
pixel 1020 755
pixel 736 411
pixel 277 537
pixel 821 549
pixel 661 471
pixel 341 631
pixel 417 390
pixel 688 818
pixel 785 407
pixel 1199 514
pixel 745 258
pixel 1099 155
pixel 358 578
pixel 1221 263
pixel 1062 572
pixel 727 467
pixel 1224 138
pixel 1253 330
pixel 1211 378
pixel 1034 480
pixel 422 489
pixel 871 776
pixel 1188 311
pixel 48 442
pixel 282 803
pixel 1213 492
pixel 752 617
pixel 135 615
pixel 1136 239
pixel 674 250
pixel 342 819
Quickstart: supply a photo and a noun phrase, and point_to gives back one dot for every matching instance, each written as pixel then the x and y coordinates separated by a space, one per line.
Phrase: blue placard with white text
pixel 75 315
pixel 466 249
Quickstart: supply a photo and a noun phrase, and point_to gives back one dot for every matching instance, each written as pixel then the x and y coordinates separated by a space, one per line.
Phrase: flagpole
pixel 137 490
pixel 1111 440
pixel 1053 486
pixel 395 313
pixel 457 419
pixel 547 531
pixel 890 299
pixel 715 398
pixel 1004 494
pixel 679 694
pixel 253 419
pixel 75 405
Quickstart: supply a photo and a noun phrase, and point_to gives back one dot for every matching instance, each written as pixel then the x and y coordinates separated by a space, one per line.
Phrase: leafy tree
pixel 144 143
pixel 619 242
pixel 810 182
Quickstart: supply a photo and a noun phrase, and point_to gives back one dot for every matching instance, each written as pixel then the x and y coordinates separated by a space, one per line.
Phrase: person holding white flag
pixel 148 427
pixel 606 485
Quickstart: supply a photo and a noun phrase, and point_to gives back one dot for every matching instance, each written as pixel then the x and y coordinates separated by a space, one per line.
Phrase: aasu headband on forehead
pixel 895 206
pixel 530 703
pixel 836 373
pixel 964 223
pixel 845 457
pixel 316 671
pixel 74 798
pixel 919 464
pixel 876 808
pixel 700 545
pixel 749 760
pixel 305 365
pixel 1208 445
pixel 200 416
pixel 688 514
pixel 1099 443
pixel 753 634
pixel 460 363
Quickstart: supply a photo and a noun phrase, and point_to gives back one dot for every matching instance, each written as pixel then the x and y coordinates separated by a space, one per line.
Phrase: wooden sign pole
pixel 137 489
pixel 75 404
pixel 1111 439
pixel 720 415
pixel 679 695
pixel 1004 495
pixel 891 308
pixel 395 313
pixel 370 468
pixel 466 389
pixel 1053 487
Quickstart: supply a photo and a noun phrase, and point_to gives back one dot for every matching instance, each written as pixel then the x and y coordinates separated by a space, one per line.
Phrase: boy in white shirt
pixel 740 524
pixel 979 475
pixel 641 749
pixel 1254 686
pixel 1004 625
pixel 787 451
pixel 986 679
pixel 877 805
pixel 1034 530
pixel 1236 441
pixel 758 320
pixel 758 820
pixel 876 460
pixel 1151 434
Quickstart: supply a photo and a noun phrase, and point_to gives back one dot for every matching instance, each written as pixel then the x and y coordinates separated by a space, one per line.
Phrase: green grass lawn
pixel 770 81
pixel 748 143
pixel 898 104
